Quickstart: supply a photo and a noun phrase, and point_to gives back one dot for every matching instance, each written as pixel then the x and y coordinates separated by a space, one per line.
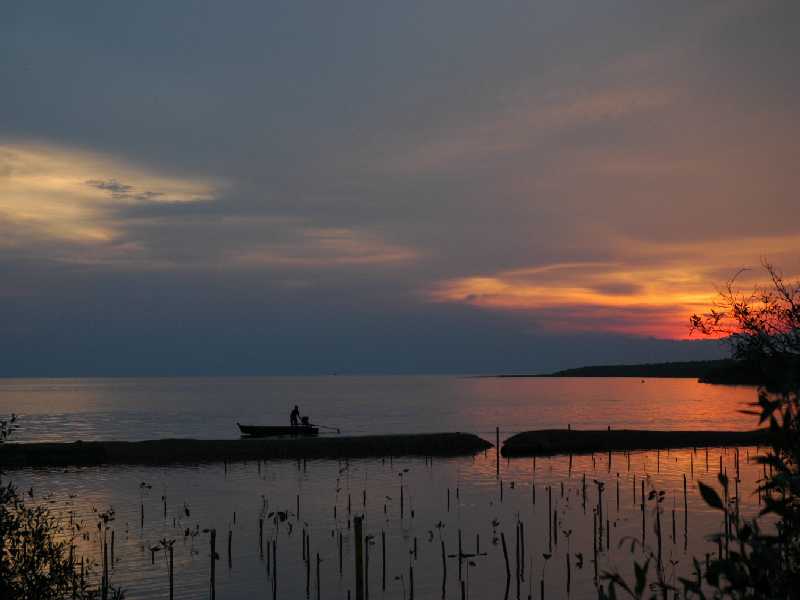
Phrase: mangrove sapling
pixel 470 563
pixel 546 556
pixel 167 546
pixel 568 534
pixel 401 578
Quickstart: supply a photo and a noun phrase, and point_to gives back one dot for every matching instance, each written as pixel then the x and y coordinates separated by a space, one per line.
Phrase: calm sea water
pixel 137 409
pixel 182 502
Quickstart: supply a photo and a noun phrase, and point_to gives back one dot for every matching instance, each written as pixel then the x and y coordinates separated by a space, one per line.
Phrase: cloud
pixel 122 191
pixel 581 168
pixel 88 208
pixel 325 247
pixel 69 195
pixel 651 289
pixel 496 135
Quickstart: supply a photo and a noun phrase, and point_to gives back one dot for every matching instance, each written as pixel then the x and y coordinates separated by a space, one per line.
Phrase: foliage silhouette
pixel 36 550
pixel 757 560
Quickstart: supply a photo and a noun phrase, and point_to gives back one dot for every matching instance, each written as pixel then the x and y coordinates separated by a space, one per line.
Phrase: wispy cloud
pixel 70 195
pixel 123 191
pixel 495 135
pixel 651 289
pixel 325 247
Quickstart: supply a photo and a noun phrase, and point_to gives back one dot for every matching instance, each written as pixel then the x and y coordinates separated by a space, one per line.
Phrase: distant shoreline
pixel 724 371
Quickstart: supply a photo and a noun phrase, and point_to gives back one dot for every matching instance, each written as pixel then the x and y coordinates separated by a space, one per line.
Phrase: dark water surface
pixel 481 504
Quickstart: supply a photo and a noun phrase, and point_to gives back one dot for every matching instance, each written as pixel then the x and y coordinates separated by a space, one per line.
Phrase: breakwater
pixel 571 441
pixel 168 451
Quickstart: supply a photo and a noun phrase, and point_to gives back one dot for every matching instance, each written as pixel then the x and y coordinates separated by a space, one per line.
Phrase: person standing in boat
pixel 294 416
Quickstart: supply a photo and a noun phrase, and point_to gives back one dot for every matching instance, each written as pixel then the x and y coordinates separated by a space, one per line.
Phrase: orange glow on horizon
pixel 651 300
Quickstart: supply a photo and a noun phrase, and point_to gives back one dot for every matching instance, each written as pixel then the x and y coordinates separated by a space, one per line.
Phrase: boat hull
pixel 276 430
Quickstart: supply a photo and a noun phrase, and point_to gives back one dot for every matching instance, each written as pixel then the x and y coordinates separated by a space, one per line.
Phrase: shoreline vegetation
pixel 724 371
pixel 549 442
pixel 170 451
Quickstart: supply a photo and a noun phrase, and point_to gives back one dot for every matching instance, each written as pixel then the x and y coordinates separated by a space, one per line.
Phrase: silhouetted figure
pixel 294 416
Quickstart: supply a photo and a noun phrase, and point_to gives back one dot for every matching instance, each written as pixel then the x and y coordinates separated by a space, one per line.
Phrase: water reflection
pixel 407 501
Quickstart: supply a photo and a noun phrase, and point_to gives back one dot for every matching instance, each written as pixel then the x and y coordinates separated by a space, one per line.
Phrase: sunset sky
pixel 362 187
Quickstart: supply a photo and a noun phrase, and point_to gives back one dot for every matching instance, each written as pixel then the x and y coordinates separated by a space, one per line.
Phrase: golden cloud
pixel 652 293
pixel 67 194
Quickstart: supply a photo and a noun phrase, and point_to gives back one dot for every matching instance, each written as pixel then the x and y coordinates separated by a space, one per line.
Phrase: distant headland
pixel 724 371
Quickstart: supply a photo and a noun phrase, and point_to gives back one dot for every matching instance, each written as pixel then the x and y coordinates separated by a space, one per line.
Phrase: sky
pixel 192 188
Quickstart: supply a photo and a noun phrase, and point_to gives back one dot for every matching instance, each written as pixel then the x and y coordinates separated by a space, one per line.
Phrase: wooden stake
pixel 594 543
pixel 555 526
pixel 261 537
pixel 308 573
pixel 522 549
pixel 497 450
pixel 358 544
pixel 274 568
pixel 460 555
pixel 505 555
pixel 549 519
pixel 673 526
pixel 516 565
pixel 213 563
pixel 643 516
pixel 383 560
pixel 366 569
pixel 658 532
pixel 685 506
pixel 583 487
pixel 171 585
pixel 444 571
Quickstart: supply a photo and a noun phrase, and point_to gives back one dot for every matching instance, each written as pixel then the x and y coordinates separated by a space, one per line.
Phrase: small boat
pixel 274 430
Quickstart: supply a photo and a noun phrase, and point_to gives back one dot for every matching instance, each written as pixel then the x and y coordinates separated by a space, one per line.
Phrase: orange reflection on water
pixel 595 403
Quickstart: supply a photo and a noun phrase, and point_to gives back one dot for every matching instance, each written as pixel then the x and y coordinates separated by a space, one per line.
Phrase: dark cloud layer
pixel 192 187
